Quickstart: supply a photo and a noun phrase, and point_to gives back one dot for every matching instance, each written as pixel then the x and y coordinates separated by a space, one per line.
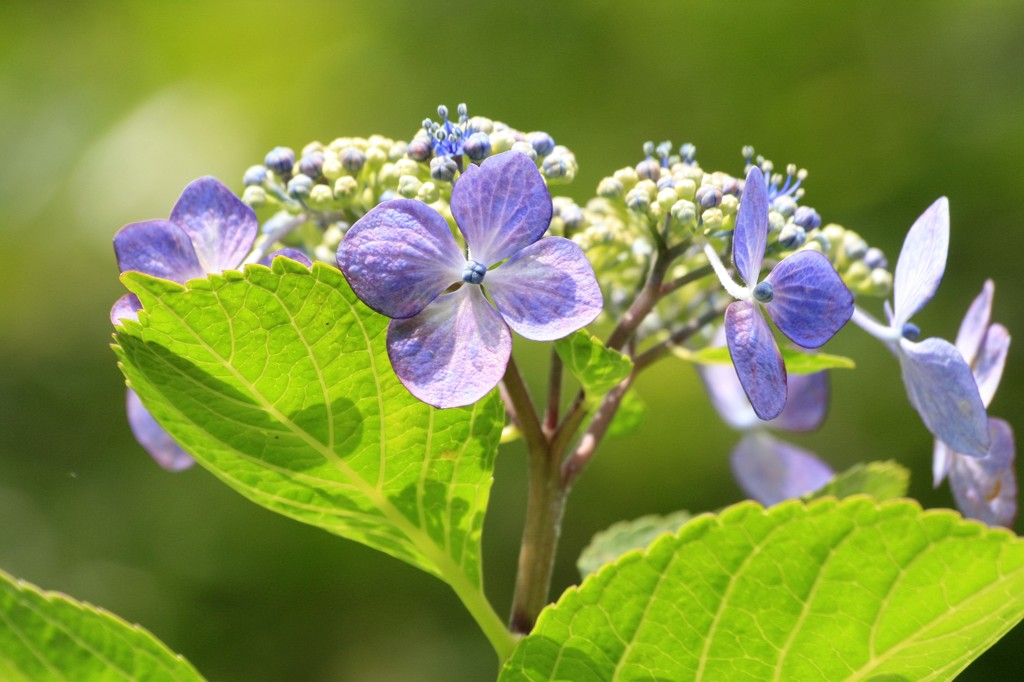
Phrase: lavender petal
pixel 222 228
pixel 152 437
pixel 399 257
pixel 125 308
pixel 158 248
pixel 806 403
pixel 988 365
pixel 750 235
pixel 453 352
pixel 942 460
pixel 941 388
pixel 771 471
pixel 294 254
pixel 975 325
pixel 501 206
pixel 727 396
pixel 547 290
pixel 922 261
pixel 986 488
pixel 757 359
pixel 810 302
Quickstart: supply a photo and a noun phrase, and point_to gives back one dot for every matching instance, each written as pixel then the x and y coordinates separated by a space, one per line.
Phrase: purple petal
pixel 988 365
pixel 922 261
pixel 222 228
pixel 158 248
pixel 501 206
pixel 810 302
pixel 151 436
pixel 975 324
pixel 727 395
pixel 125 308
pixel 942 459
pixel 547 290
pixel 751 232
pixel 806 403
pixel 941 388
pixel 986 488
pixel 757 359
pixel 771 471
pixel 399 257
pixel 453 352
pixel 294 254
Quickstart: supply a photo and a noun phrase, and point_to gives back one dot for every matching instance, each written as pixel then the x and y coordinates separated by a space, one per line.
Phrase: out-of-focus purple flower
pixel 209 230
pixel 938 380
pixel 447 343
pixel 984 488
pixel 768 469
pixel 803 295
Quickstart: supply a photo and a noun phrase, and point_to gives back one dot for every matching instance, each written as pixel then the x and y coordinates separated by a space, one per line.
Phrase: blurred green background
pixel 107 110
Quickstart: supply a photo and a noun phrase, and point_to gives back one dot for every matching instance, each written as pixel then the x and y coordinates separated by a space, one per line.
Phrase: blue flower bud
pixel 541 142
pixel 784 205
pixel 910 331
pixel 792 236
pixel 764 292
pixel 708 196
pixel 556 167
pixel 572 216
pixel 525 147
pixel 688 152
pixel 442 112
pixel 254 175
pixel 874 258
pixel 649 169
pixel 420 150
pixel 280 160
pixel 854 247
pixel 353 159
pixel 312 164
pixel 473 272
pixel 443 168
pixel 463 112
pixel 300 186
pixel 648 149
pixel 807 218
pixel 477 146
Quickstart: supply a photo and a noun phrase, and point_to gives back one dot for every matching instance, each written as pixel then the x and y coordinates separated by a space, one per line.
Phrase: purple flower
pixel 803 295
pixel 449 341
pixel 768 469
pixel 209 230
pixel 984 488
pixel 938 380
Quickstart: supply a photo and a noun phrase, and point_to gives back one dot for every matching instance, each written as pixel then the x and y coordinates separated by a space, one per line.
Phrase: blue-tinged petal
pixel 986 488
pixel 751 232
pixel 771 470
pixel 922 261
pixel 988 365
pixel 125 308
pixel 151 436
pixel 501 206
pixel 294 254
pixel 975 325
pixel 222 228
pixel 941 388
pixel 810 302
pixel 727 396
pixel 942 459
pixel 399 257
pixel 547 290
pixel 159 248
pixel 453 352
pixel 806 403
pixel 757 359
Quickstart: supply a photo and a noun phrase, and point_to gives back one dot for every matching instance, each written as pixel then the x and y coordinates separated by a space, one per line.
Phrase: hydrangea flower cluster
pixel 447 342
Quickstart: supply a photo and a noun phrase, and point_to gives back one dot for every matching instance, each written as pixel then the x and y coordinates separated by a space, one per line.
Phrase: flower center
pixel 910 331
pixel 764 292
pixel 473 272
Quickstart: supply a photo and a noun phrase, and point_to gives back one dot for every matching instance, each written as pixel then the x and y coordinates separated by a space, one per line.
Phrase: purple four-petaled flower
pixel 449 340
pixel 209 230
pixel 803 295
pixel 985 488
pixel 938 380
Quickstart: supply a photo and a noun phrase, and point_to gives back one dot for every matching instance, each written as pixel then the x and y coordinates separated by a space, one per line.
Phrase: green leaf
pixel 629 416
pixel 619 538
pixel 597 367
pixel 796 361
pixel 48 636
pixel 277 380
pixel 881 480
pixel 827 592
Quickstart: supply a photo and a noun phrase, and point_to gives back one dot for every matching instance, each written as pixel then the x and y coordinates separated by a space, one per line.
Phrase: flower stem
pixel 554 394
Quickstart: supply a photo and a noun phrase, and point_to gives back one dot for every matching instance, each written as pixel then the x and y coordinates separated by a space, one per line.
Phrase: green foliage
pixel 881 480
pixel 830 591
pixel 597 367
pixel 629 416
pixel 48 636
pixel 277 380
pixel 611 543
pixel 796 361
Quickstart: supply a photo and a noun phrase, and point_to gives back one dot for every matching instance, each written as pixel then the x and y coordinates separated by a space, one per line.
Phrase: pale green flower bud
pixel 610 188
pixel 730 204
pixel 667 197
pixel 332 168
pixel 375 157
pixel 685 212
pixel 254 196
pixel 321 197
pixel 525 148
pixel 429 193
pixel 686 188
pixel 389 174
pixel 345 187
pixel 409 186
pixel 713 219
pixel 502 141
pixel 627 177
pixel 332 237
